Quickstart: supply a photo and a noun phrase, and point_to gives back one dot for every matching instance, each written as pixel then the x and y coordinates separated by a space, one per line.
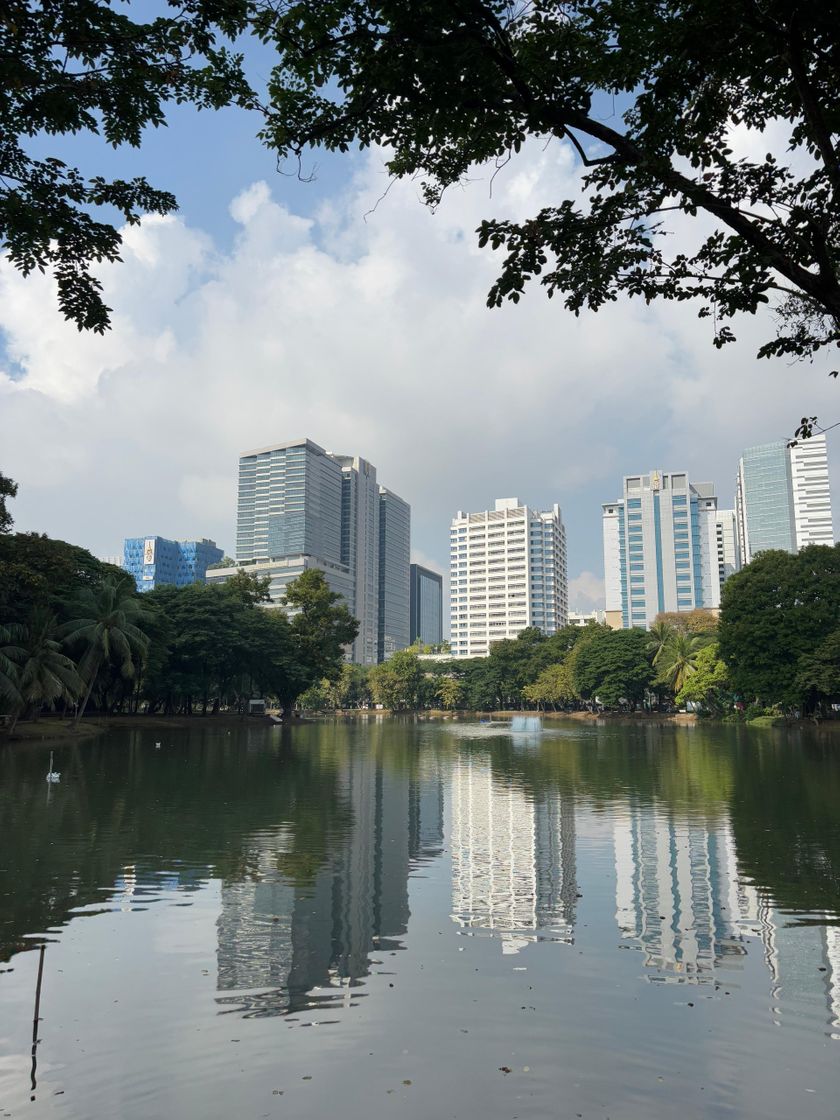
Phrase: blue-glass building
pixel 154 561
pixel 426 624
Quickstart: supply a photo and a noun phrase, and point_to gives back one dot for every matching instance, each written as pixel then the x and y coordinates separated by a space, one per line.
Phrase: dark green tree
pixel 106 630
pixel 775 611
pixel 613 667
pixel 818 678
pixel 321 628
pixel 8 489
pixel 38 571
pixel 645 93
pixel 75 66
pixel 206 648
pixel 44 674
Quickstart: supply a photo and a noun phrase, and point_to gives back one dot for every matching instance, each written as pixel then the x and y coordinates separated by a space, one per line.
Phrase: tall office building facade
pixel 665 547
pixel 156 561
pixel 360 549
pixel 783 497
pixel 301 508
pixel 394 574
pixel 426 599
pixel 508 572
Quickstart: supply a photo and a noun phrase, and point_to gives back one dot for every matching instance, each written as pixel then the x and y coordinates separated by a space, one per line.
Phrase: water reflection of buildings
pixel 282 946
pixel 680 898
pixel 676 893
pixel 513 857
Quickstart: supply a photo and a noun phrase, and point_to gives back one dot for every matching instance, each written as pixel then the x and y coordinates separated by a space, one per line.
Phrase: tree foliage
pixel 76 66
pixel 647 94
pixel 106 629
pixel 775 612
pixel 36 570
pixel 396 683
pixel 554 685
pixel 43 673
pixel 8 489
pixel 613 667
pixel 708 686
pixel 677 660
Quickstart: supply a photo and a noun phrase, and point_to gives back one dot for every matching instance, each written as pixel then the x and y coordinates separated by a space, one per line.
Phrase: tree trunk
pixel 81 710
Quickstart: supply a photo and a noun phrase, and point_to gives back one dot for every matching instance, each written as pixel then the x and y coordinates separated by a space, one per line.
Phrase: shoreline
pixel 55 729
pixel 52 729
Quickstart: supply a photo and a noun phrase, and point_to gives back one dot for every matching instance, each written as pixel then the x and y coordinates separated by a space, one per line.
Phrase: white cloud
pixel 368 332
pixel 586 592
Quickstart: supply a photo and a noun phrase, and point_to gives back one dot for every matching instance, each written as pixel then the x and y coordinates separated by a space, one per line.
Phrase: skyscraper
pixel 426 606
pixel 783 497
pixel 302 508
pixel 394 565
pixel 289 503
pixel 508 572
pixel 665 547
pixel 154 561
pixel 360 549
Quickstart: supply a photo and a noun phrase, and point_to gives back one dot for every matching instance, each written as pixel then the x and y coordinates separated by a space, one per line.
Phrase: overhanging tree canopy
pixel 448 84
pixel 647 92
pixel 73 66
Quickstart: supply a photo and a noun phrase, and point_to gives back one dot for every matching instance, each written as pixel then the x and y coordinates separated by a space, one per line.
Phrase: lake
pixel 425 920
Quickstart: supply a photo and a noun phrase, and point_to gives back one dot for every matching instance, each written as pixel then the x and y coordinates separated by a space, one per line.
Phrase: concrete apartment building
pixel 667 547
pixel 508 572
pixel 783 497
pixel 299 508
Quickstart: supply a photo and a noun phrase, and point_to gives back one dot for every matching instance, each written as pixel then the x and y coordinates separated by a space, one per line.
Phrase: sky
pixel 270 308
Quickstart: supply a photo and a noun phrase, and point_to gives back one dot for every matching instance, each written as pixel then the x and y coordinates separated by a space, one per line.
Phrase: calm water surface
pixel 422 920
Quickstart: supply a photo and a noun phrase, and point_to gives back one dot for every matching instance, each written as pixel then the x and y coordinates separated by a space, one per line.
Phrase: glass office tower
pixel 426 616
pixel 394 563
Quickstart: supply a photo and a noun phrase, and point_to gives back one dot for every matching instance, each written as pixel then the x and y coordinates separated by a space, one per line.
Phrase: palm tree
pixel 43 673
pixel 8 670
pixel 679 658
pixel 661 634
pixel 106 627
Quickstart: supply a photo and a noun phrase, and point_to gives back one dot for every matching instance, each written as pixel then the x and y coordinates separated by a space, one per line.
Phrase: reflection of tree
pixel 786 820
pixel 684 768
pixel 189 807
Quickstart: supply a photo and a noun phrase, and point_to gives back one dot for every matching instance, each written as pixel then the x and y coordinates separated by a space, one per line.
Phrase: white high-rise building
pixel 811 492
pixel 508 572
pixel 783 497
pixel 667 547
pixel 728 553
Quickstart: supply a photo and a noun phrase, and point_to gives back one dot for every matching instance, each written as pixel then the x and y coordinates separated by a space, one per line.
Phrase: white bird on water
pixel 53 775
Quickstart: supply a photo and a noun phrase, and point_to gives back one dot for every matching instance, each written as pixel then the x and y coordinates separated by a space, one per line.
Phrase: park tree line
pixel 76 636
pixel 774 650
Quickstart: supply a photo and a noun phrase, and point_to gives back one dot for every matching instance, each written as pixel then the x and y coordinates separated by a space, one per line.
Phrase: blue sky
pixel 271 308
